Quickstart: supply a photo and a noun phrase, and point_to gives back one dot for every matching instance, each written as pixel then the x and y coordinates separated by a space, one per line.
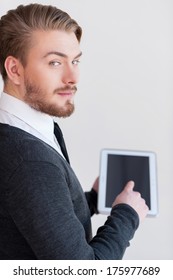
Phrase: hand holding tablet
pixel 117 168
pixel 132 198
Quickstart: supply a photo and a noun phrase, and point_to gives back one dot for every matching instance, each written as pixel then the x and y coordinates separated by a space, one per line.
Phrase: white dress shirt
pixel 17 113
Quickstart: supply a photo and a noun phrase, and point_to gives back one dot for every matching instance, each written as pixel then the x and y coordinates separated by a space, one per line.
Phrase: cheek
pixel 43 78
pixel 33 75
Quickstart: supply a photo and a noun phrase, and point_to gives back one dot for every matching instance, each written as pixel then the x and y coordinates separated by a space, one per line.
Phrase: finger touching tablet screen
pixel 117 167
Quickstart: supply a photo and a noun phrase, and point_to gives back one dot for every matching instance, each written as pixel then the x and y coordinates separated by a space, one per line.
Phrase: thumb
pixel 129 186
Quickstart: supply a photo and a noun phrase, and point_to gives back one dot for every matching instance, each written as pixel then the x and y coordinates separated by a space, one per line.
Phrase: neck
pixel 13 90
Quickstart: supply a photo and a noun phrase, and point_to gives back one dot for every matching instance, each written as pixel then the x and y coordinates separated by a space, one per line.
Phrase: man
pixel 44 213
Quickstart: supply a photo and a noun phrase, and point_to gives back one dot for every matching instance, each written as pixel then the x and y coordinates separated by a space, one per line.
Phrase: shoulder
pixel 18 146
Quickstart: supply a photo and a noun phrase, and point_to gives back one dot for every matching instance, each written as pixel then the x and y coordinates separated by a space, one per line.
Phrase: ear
pixel 14 69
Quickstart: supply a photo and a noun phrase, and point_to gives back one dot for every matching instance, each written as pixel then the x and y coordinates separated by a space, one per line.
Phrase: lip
pixel 65 93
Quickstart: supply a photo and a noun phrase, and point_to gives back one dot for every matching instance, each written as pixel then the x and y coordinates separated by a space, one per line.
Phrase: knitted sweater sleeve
pixel 44 214
pixel 116 233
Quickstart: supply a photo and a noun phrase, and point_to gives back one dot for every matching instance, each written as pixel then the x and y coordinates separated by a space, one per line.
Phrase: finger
pixel 129 186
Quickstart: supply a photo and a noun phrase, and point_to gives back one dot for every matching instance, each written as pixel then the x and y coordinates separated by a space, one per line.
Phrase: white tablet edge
pixel 103 175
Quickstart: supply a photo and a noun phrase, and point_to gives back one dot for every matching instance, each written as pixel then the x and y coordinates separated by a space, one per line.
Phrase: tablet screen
pixel 124 168
pixel 117 167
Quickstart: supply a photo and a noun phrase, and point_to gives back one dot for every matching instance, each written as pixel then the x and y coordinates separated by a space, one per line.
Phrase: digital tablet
pixel 117 167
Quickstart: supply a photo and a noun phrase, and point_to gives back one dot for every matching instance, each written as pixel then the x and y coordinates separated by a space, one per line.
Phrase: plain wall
pixel 124 100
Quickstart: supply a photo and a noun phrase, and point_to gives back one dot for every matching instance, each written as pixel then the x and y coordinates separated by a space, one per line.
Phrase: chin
pixel 61 112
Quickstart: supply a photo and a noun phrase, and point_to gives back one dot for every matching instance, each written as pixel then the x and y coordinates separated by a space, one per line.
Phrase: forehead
pixel 55 40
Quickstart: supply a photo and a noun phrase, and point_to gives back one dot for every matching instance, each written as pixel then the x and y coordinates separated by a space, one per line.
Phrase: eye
pixel 54 63
pixel 76 61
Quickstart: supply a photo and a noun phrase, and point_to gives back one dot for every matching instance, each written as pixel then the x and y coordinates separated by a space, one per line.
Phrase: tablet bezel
pixel 103 177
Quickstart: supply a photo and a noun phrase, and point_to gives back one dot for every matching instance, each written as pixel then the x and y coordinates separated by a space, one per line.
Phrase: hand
pixel 96 185
pixel 133 199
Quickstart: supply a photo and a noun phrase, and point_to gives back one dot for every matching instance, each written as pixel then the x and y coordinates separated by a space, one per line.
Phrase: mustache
pixel 66 88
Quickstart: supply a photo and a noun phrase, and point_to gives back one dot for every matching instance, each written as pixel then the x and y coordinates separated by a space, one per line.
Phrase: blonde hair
pixel 17 25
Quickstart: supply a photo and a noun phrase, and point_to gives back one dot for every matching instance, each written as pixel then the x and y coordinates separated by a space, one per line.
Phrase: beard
pixel 36 98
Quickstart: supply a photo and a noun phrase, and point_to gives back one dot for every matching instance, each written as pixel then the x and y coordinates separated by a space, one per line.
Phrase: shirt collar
pixel 41 122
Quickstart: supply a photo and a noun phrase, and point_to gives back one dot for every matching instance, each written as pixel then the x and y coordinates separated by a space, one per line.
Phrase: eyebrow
pixel 61 54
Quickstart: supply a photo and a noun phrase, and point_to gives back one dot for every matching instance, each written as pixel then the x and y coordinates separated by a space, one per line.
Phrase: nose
pixel 70 75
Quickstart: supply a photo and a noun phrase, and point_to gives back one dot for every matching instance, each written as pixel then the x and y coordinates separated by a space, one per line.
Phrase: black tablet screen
pixel 123 168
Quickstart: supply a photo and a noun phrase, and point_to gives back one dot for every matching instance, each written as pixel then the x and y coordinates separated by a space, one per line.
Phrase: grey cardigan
pixel 44 214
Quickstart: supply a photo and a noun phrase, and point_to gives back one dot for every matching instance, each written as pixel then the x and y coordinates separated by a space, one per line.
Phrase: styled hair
pixel 17 26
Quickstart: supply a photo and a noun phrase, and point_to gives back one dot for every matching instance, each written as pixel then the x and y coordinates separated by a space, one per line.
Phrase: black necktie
pixel 60 139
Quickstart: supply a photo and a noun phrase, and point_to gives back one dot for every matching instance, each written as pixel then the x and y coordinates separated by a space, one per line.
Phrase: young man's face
pixel 52 72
